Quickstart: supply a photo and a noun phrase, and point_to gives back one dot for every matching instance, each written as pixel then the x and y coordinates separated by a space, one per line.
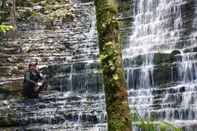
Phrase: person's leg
pixel 28 91
pixel 44 86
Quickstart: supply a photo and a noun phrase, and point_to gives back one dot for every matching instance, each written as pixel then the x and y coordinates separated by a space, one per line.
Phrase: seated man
pixel 31 85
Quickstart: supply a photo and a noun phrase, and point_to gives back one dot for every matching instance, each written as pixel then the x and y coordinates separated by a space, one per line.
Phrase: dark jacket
pixel 29 85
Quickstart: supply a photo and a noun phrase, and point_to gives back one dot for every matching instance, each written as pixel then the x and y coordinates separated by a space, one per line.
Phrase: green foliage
pixel 56 10
pixel 45 11
pixel 109 60
pixel 115 77
pixel 116 125
pixel 150 125
pixel 106 10
pixel 5 28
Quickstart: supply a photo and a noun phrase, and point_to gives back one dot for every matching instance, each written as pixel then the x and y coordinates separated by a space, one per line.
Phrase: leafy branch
pixel 5 28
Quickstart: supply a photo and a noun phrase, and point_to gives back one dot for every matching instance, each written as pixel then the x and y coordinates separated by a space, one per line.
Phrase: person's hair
pixel 32 64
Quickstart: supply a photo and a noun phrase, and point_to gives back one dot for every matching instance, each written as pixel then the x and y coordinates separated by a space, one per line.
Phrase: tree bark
pixel 116 96
pixel 13 19
pixel 2 11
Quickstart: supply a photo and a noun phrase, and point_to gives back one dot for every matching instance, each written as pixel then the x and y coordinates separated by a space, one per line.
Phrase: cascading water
pixel 160 65
pixel 167 86
pixel 149 36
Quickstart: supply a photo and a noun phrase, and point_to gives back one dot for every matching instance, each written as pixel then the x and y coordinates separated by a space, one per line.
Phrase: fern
pixel 151 125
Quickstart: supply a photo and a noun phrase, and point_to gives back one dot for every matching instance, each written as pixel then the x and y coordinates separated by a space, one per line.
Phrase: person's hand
pixel 36 88
pixel 36 84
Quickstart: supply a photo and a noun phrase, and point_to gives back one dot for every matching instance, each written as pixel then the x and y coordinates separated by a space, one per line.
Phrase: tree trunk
pixel 116 96
pixel 2 11
pixel 13 19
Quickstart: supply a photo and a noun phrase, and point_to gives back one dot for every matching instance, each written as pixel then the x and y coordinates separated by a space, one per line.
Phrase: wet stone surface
pixel 159 50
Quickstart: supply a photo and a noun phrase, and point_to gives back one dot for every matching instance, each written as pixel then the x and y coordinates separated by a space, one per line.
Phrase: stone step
pixel 188 87
pixel 190 49
pixel 160 75
pixel 50 110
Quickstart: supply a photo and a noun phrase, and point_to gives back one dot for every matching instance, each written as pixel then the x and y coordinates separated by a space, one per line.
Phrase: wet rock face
pixel 52 111
pixel 78 77
pixel 66 42
pixel 34 39
pixel 160 60
pixel 44 12
pixel 67 55
pixel 159 51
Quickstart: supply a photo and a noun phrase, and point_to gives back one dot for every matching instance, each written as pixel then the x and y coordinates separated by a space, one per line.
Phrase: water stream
pixel 164 90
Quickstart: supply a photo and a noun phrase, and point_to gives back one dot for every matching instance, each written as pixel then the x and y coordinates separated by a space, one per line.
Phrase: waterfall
pixel 160 62
pixel 159 88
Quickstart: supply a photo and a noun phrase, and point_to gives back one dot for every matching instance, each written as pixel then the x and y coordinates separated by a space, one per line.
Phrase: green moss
pixel 48 11
pixel 116 120
pixel 124 6
pixel 116 125
pixel 111 62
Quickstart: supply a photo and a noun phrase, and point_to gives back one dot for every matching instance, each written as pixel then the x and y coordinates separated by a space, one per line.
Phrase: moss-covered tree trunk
pixel 118 116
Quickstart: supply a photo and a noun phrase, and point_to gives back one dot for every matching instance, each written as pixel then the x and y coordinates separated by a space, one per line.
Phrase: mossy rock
pixel 137 61
pixel 193 49
pixel 13 87
pixel 175 52
pixel 124 5
pixel 24 3
pixel 163 74
pixel 45 12
pixel 10 120
pixel 5 71
pixel 160 58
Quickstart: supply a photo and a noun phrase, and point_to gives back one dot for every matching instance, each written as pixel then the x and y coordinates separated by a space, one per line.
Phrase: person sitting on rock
pixel 33 82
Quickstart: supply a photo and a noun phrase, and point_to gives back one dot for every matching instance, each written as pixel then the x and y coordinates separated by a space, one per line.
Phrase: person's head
pixel 32 66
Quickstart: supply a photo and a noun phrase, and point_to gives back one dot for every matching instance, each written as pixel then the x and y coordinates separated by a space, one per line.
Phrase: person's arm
pixel 27 78
pixel 39 75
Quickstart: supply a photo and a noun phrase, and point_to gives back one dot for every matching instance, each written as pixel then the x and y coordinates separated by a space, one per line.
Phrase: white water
pixel 159 27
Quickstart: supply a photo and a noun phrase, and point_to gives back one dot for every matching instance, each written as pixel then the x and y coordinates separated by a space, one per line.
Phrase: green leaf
pixel 150 125
pixel 109 43
pixel 112 68
pixel 111 63
pixel 115 77
pixel 102 57
pixel 5 28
